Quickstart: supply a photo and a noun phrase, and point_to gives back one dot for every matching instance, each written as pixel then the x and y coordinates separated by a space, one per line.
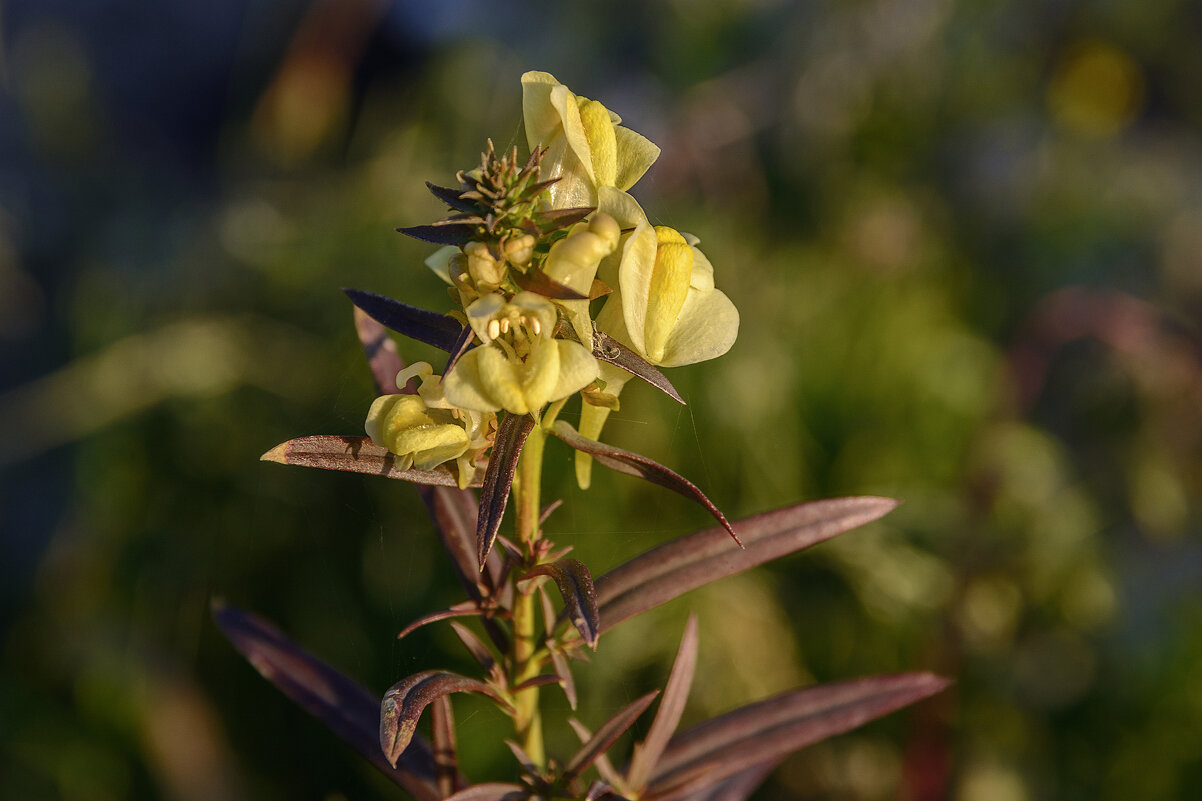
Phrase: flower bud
pixel 421 437
pixel 482 265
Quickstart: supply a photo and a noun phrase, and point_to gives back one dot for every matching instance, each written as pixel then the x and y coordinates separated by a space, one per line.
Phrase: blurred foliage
pixel 965 240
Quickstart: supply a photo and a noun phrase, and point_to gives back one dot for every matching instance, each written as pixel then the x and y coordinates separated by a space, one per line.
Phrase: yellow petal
pixel 706 328
pixel 464 387
pixel 636 153
pixel 431 445
pixel 577 369
pixel 634 282
pixel 668 290
pixel 592 419
pixel 603 144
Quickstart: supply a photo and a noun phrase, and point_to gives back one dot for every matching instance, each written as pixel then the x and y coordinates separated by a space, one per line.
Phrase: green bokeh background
pixel 966 242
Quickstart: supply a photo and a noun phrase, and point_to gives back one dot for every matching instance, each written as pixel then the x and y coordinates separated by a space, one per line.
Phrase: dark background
pixel 966 241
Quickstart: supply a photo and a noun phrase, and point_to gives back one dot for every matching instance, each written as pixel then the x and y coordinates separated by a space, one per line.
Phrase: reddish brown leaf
pixel 555 219
pixel 426 326
pixel 575 584
pixel 667 717
pixel 602 763
pixel 498 478
pixel 382 356
pixel 539 282
pixel 638 465
pixel 442 738
pixel 403 704
pixel 562 669
pixel 354 455
pixel 727 745
pixel 608 349
pixel 606 736
pixel 475 647
pixel 674 568
pixel 349 710
pixel 455 512
pixel 466 609
pixel 492 791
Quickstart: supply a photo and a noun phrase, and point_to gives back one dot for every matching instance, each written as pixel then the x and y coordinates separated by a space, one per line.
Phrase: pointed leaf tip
pixel 278 454
pixel 498 479
pixel 404 702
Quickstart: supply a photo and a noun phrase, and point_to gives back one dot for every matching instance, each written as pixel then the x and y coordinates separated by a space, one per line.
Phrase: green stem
pixel 528 721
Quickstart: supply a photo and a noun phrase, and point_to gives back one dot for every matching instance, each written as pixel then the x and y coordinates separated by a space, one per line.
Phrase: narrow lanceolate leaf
pixel 638 465
pixel 491 791
pixel 608 349
pixel 724 746
pixel 556 219
pixel 560 662
pixel 539 282
pixel 498 478
pixel 442 739
pixel 449 232
pixel 667 717
pixel 606 736
pixel 575 584
pixel 405 700
pixel 738 787
pixel 421 324
pixel 348 709
pixel 462 345
pixel 354 455
pixel 674 568
pixel 451 197
pixel 465 609
pixel 455 513
pixel 602 763
pixel 475 647
pixel 382 356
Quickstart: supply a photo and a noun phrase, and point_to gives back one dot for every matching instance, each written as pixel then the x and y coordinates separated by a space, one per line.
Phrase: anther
pixel 494 329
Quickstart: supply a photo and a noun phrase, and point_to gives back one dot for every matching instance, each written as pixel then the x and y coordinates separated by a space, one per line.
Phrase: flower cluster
pixel 552 262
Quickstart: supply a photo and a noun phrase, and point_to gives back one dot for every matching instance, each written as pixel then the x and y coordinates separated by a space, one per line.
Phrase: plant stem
pixel 528 721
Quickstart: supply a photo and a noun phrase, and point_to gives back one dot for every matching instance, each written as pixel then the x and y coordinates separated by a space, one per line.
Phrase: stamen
pixel 494 329
pixel 536 326
pixel 505 326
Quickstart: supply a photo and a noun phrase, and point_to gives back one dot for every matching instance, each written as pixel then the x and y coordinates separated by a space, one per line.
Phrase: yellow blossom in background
pixel 586 147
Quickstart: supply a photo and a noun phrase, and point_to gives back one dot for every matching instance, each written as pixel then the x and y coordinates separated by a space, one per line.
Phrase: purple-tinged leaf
pixel 462 345
pixel 602 763
pixel 638 465
pixel 548 509
pixel 674 568
pixel 540 283
pixel 606 736
pixel 423 325
pixel 455 513
pixel 671 707
pixel 601 791
pixel 354 455
pixel 492 791
pixel 405 700
pixel 382 356
pixel 555 219
pixel 562 669
pixel 465 609
pixel 498 478
pixel 575 584
pixel 341 704
pixel 444 232
pixel 537 681
pixel 770 729
pixel 475 647
pixel 451 197
pixel 442 739
pixel 608 349
pixel 737 787
pixel 523 758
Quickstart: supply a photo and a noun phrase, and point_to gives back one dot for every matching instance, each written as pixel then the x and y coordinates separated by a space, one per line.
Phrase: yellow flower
pixel 518 367
pixel 586 147
pixel 573 262
pixel 664 307
pixel 424 430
